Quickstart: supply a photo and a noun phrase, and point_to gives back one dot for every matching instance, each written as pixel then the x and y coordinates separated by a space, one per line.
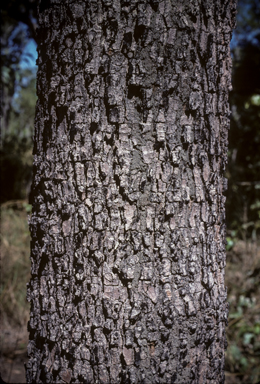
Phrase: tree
pixel 243 208
pixel 128 221
pixel 18 24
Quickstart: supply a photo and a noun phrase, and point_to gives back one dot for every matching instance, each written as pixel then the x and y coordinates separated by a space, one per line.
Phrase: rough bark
pixel 128 232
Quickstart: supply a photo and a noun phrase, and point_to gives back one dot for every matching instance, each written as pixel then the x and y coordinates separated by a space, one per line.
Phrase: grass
pixel 242 280
pixel 15 262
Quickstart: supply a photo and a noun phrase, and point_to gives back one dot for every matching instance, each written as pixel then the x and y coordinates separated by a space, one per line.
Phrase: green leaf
pixel 248 338
pixel 230 243
pixel 255 100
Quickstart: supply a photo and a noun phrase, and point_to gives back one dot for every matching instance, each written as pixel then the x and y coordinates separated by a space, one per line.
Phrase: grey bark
pixel 128 231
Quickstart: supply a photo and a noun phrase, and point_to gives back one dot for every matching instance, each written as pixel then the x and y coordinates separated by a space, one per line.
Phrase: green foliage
pixel 230 243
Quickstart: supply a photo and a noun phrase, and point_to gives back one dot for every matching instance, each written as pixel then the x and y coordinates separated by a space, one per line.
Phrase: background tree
pixel 18 98
pixel 128 233
pixel 243 199
pixel 18 25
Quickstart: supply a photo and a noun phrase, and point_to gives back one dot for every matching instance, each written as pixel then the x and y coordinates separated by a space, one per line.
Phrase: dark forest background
pixel 18 98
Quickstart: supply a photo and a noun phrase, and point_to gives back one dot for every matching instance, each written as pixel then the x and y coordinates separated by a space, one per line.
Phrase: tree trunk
pixel 128 232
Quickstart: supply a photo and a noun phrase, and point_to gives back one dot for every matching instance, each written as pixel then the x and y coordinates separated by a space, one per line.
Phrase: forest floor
pixel 243 331
pixel 13 354
pixel 242 280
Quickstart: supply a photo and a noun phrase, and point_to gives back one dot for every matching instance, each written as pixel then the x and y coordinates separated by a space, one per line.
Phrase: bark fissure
pixel 128 233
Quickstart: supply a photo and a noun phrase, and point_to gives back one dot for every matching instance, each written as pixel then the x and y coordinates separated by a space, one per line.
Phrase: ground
pixel 13 354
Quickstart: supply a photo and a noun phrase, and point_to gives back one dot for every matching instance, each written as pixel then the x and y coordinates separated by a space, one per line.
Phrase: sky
pixel 29 55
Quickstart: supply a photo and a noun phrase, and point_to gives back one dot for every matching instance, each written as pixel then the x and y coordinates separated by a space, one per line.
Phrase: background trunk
pixel 128 234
